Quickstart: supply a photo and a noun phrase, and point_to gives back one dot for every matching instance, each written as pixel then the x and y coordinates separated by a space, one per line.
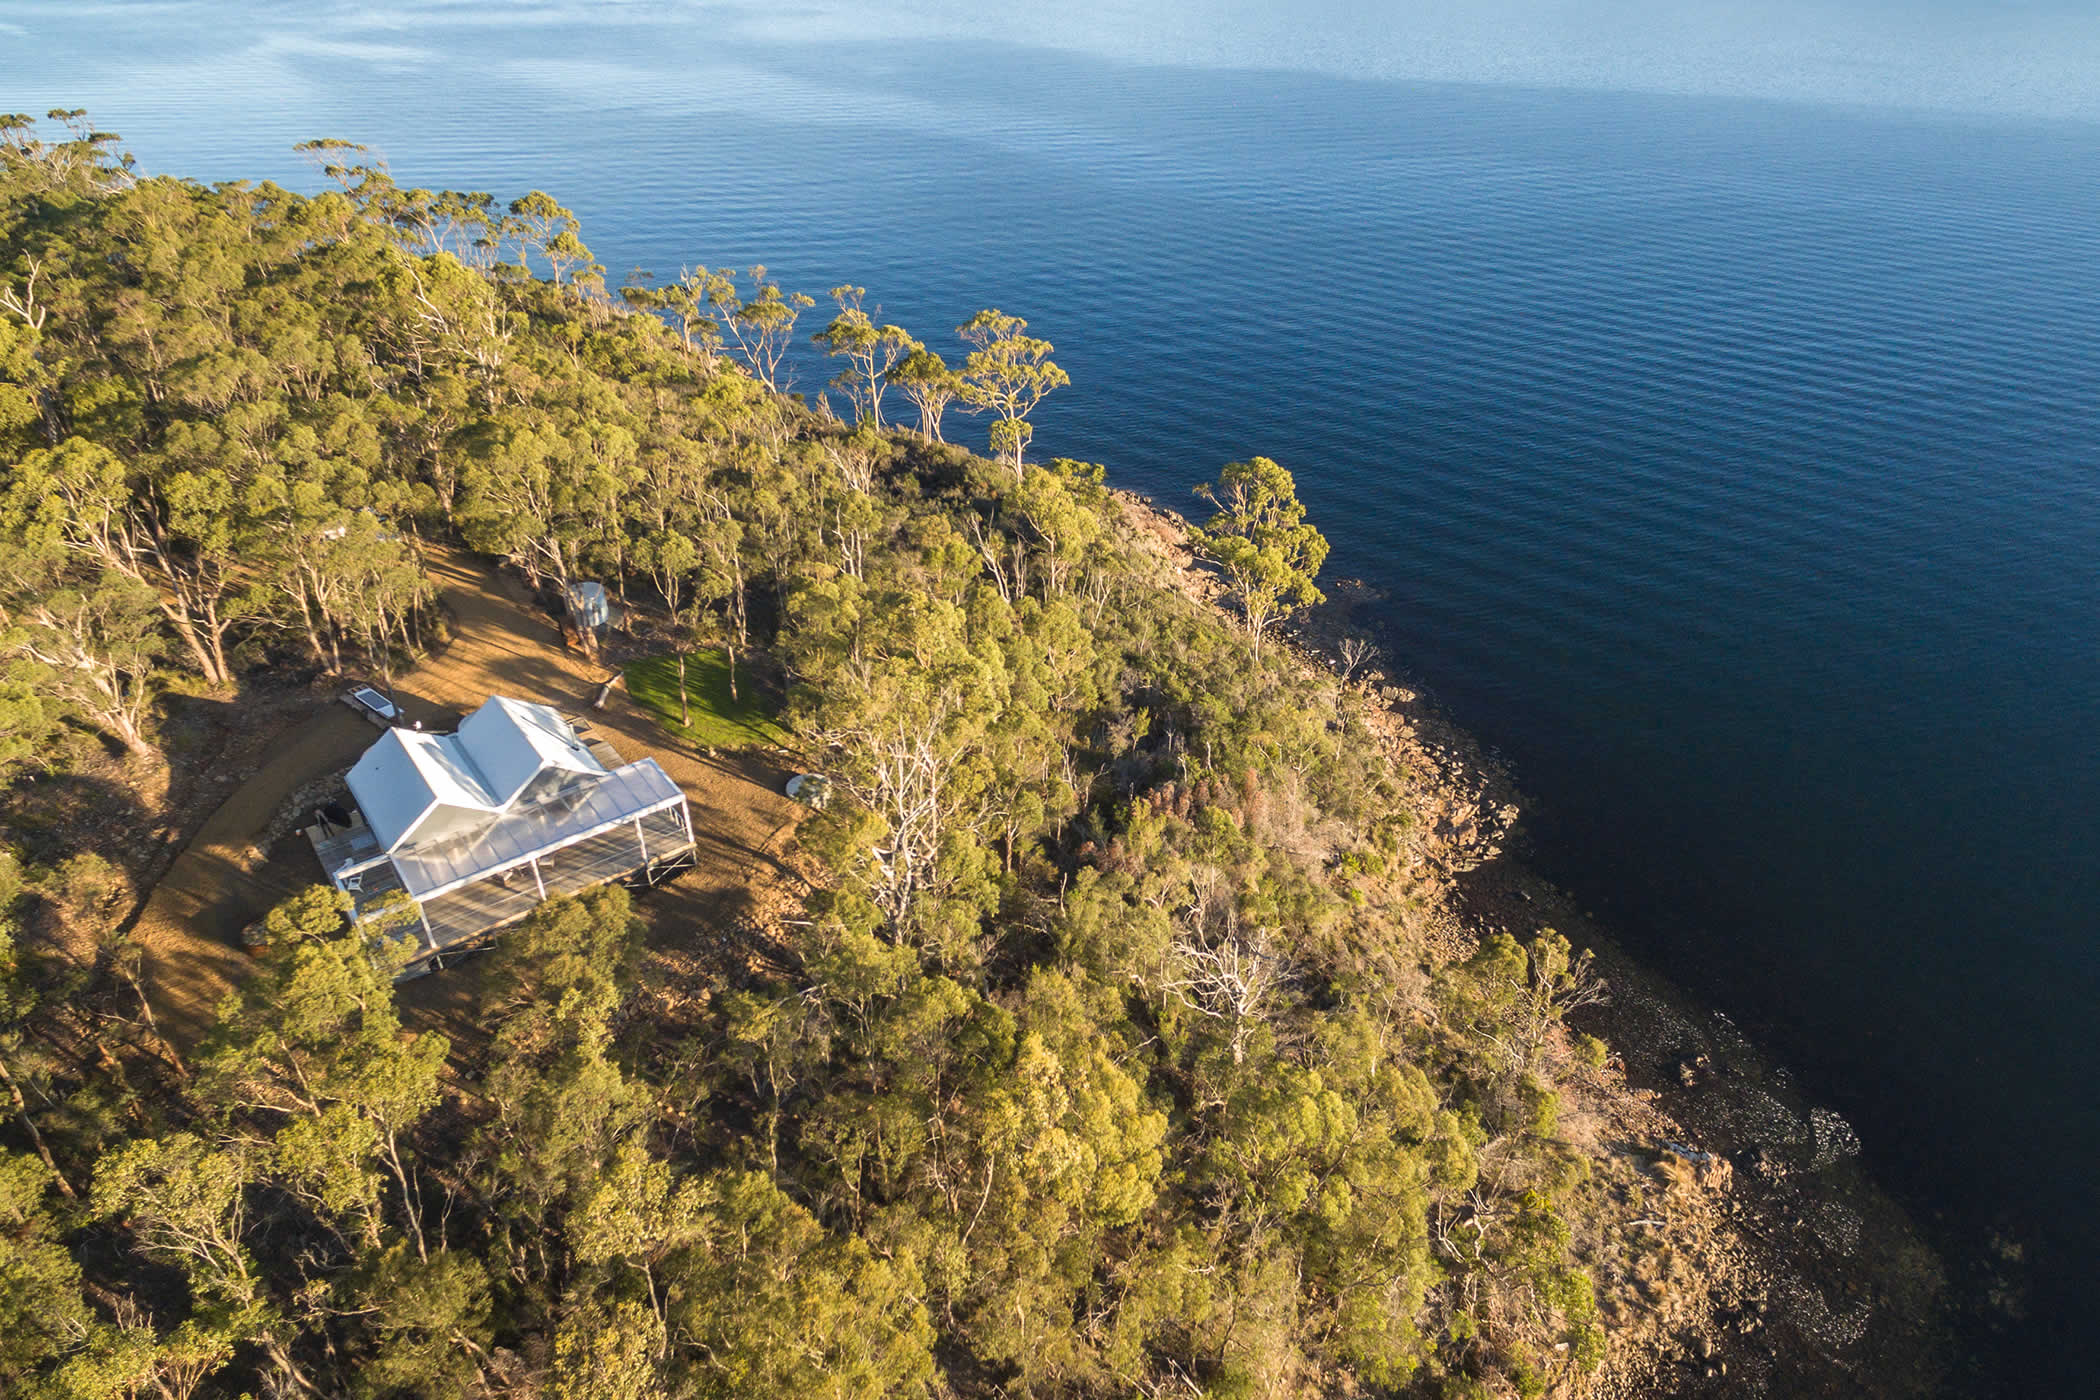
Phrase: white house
pixel 481 825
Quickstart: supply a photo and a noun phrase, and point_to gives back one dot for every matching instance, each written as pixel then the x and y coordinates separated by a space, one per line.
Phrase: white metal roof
pixel 405 777
pixel 414 787
pixel 512 742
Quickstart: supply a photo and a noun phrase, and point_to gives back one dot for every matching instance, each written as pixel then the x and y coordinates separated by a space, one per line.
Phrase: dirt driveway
pixel 501 645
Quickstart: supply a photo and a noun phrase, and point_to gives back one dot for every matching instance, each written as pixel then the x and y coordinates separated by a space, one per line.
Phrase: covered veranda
pixel 634 821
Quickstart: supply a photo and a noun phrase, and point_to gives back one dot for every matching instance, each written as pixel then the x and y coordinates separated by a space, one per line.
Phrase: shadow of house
pixel 46 812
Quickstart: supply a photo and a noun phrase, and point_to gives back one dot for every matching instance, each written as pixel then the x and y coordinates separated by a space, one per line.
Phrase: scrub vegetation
pixel 1107 1057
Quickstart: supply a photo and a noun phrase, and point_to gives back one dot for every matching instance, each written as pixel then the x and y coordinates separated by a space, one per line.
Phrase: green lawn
pixel 718 721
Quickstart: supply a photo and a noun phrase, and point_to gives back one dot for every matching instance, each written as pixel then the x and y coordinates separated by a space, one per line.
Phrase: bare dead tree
pixel 1228 981
pixel 902 774
pixel 1222 970
pixel 23 303
pixel 1005 556
pixel 854 460
pixel 1356 651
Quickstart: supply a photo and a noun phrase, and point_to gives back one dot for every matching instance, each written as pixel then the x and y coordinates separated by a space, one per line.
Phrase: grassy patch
pixel 718 721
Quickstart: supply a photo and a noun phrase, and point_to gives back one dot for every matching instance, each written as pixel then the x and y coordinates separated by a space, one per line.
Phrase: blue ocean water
pixel 1733 463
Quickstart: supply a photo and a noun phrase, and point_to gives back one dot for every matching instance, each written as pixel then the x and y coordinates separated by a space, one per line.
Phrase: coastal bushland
pixel 1107 1055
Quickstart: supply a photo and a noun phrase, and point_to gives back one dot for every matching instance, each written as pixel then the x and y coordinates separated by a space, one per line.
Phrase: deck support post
pixel 685 819
pixel 535 864
pixel 424 919
pixel 643 842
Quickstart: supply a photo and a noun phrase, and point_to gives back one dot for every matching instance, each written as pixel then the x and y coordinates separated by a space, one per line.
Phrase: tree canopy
pixel 1008 372
pixel 1106 1054
pixel 1261 540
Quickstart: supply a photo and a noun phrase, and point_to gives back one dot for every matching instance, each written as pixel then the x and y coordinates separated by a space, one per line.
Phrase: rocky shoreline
pixel 1743 1251
pixel 1799 1277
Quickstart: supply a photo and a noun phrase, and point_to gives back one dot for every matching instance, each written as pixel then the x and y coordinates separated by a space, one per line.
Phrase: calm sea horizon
pixel 1729 454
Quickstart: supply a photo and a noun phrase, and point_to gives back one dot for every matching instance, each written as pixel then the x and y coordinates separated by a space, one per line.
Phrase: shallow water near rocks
pixel 1733 466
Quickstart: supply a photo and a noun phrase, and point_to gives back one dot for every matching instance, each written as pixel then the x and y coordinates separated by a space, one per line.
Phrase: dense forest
pixel 1107 1055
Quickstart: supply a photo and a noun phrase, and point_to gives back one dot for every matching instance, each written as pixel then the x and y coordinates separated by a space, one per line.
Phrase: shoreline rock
pixel 1753 1255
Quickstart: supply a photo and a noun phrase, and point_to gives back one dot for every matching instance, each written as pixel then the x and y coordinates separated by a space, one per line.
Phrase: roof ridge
pixel 462 754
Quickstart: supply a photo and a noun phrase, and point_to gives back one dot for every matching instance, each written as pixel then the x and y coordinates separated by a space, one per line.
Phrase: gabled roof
pixel 410 781
pixel 512 742
pixel 405 777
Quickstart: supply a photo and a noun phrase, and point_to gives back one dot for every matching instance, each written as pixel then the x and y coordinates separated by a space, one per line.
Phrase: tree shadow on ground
pixel 52 815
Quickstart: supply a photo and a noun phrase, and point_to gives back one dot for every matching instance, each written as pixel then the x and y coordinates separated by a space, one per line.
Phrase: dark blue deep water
pixel 1732 463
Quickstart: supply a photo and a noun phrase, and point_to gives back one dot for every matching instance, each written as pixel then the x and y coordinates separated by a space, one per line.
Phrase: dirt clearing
pixel 501 645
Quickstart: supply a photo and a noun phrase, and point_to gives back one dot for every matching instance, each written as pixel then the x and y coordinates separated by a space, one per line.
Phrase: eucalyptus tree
pixel 762 326
pixel 898 693
pixel 361 174
pixel 311 1052
pixel 27 723
pixel 519 497
pixel 18 297
pixel 466 224
pixel 671 560
pixel 322 537
pixel 29 407
pixel 87 161
pixel 870 351
pixel 930 385
pixel 546 487
pixel 1062 507
pixel 540 224
pixel 452 332
pixel 1007 375
pixel 698 302
pixel 768 1302
pixel 23 1057
pixel 85 637
pixel 383 587
pixel 1260 538
pixel 181 535
pixel 44 1314
pixel 717 538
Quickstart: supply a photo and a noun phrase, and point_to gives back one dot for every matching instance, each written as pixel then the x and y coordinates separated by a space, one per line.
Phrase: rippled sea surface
pixel 1734 466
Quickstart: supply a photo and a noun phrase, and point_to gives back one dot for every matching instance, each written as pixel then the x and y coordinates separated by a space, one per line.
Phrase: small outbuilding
pixel 480 826
pixel 590 611
pixel 589 605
